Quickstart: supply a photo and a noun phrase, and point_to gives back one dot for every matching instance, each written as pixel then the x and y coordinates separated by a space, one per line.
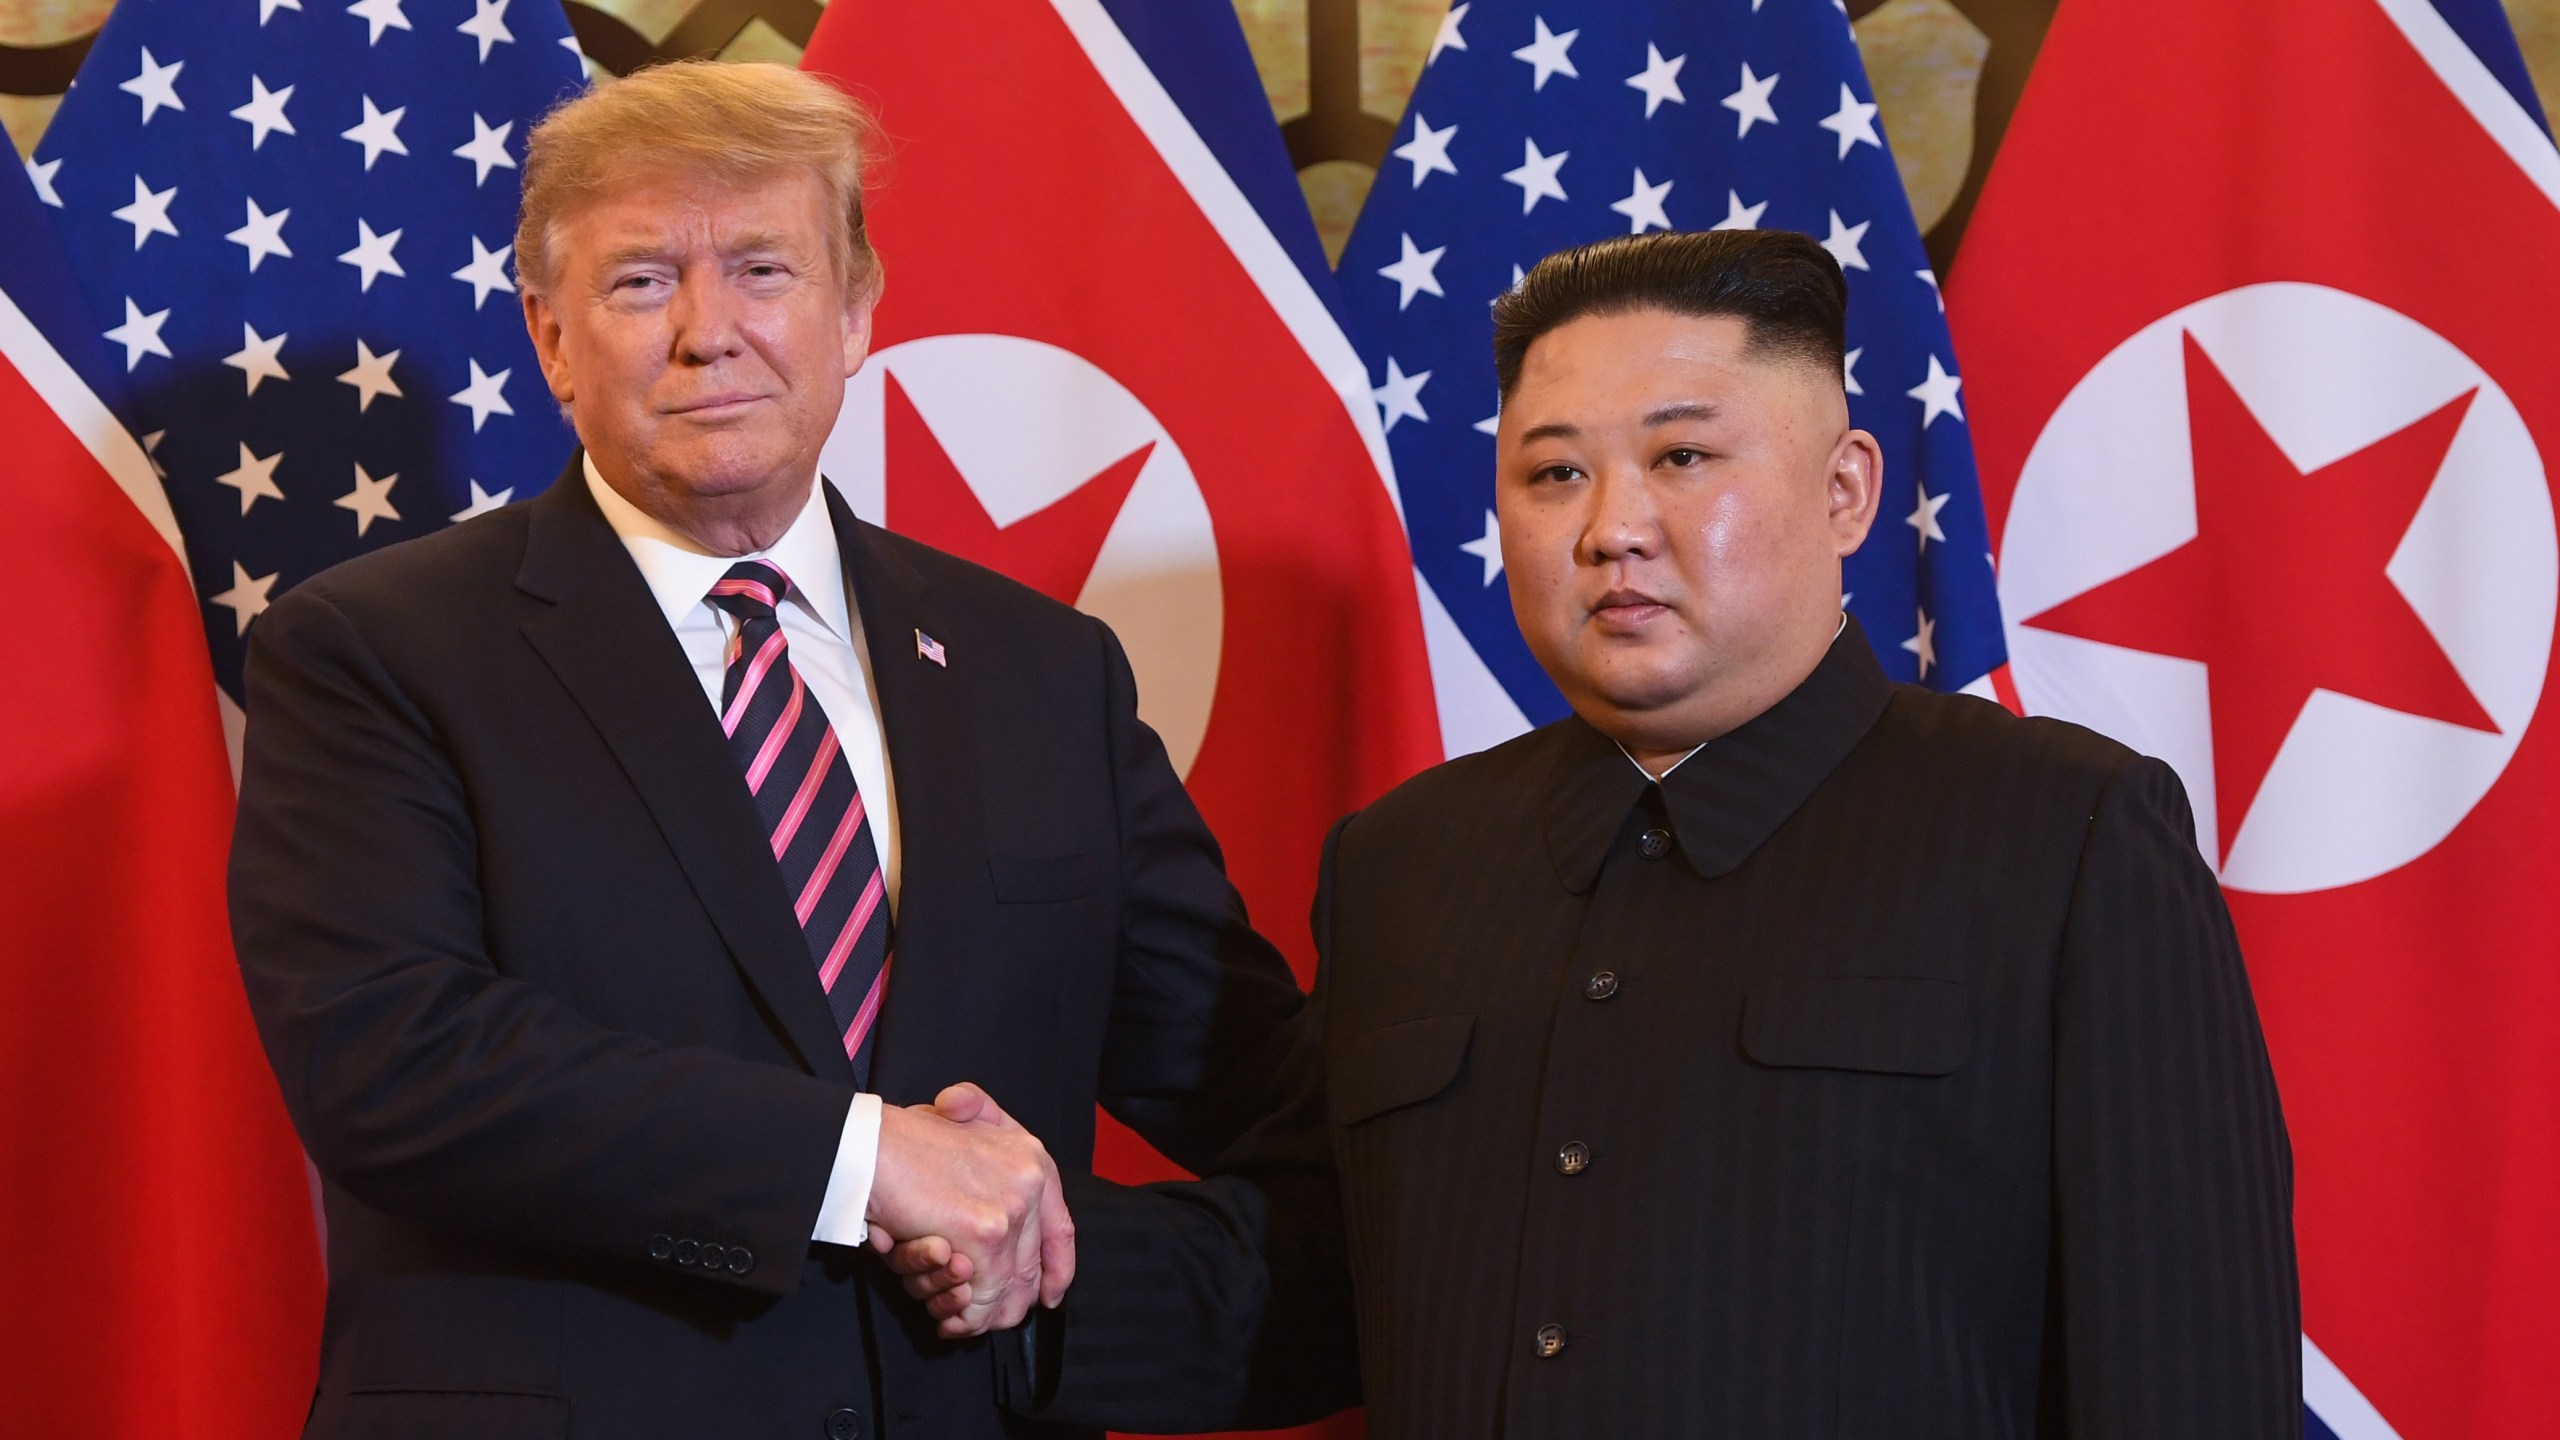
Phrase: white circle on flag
pixel 1027 424
pixel 2355 790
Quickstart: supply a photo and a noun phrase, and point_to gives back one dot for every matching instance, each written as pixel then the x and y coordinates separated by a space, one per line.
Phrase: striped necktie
pixel 812 810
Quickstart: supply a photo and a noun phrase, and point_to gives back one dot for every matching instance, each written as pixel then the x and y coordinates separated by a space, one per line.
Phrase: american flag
pixel 1540 124
pixel 292 223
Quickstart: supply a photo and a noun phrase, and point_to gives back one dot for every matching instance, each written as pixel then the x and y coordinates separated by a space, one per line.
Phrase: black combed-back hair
pixel 1784 287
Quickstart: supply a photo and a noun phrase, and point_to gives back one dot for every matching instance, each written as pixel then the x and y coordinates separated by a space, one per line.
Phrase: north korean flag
pixel 2255 313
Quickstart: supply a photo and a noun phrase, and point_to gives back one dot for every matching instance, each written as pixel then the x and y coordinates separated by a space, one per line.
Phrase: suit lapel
pixel 606 640
pixel 926 723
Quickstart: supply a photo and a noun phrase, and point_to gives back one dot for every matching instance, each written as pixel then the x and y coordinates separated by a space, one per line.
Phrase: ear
pixel 543 324
pixel 857 329
pixel 1854 489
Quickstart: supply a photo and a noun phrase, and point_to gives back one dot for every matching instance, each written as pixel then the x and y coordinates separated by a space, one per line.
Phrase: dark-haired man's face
pixel 1674 509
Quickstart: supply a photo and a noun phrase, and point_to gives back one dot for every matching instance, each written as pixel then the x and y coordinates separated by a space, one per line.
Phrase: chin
pixel 728 464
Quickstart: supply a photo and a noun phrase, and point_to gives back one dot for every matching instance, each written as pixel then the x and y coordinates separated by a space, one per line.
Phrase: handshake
pixel 966 1207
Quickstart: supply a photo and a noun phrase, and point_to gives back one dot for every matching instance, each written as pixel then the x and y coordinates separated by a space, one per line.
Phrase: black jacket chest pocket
pixel 1396 1065
pixel 1878 1024
pixel 1035 879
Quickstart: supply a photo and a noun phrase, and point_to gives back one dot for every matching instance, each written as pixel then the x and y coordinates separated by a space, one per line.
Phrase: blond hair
pixel 734 123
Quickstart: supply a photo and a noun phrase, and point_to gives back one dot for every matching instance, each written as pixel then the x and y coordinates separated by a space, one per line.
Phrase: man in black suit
pixel 1766 1050
pixel 604 864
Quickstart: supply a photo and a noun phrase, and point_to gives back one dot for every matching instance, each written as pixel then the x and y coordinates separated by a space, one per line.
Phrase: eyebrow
pixel 1686 410
pixel 756 242
pixel 1698 410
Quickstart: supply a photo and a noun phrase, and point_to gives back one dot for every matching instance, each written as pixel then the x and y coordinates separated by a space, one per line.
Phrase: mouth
pixel 1628 611
pixel 717 407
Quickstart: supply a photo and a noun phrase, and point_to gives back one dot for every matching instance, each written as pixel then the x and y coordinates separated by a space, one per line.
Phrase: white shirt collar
pixel 680 573
pixel 1836 633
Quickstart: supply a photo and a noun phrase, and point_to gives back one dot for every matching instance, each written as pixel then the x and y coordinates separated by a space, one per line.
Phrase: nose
pixel 1620 522
pixel 706 319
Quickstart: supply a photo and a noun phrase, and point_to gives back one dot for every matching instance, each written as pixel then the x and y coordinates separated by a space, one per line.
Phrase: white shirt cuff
pixel 848 1195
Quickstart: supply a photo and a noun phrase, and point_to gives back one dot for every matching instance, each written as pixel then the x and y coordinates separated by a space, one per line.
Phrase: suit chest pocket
pixel 1395 1066
pixel 1873 1024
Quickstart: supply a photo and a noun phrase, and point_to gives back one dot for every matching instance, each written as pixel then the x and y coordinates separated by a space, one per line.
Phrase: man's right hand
pixel 962 1173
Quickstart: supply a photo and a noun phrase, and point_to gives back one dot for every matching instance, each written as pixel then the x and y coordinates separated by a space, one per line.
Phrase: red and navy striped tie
pixel 812 810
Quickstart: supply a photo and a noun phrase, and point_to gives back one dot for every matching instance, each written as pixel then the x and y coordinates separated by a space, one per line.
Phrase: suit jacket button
pixel 844 1423
pixel 1655 843
pixel 661 1246
pixel 1548 1343
pixel 1573 1158
pixel 1600 986
pixel 741 1260
pixel 688 1251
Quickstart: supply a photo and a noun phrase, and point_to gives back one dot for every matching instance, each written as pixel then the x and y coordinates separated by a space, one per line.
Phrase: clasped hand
pixel 965 1205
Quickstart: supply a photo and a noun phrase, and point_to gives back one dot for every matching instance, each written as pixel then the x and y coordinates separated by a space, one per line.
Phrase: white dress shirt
pixel 826 647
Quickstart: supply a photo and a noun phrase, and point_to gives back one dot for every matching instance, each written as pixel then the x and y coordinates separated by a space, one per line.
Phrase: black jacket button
pixel 1548 1343
pixel 1573 1158
pixel 741 1260
pixel 661 1246
pixel 1655 843
pixel 844 1423
pixel 1601 986
pixel 687 1251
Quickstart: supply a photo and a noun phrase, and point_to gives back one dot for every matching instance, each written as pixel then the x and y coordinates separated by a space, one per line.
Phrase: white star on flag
pixel 1925 517
pixel 1428 150
pixel 487 271
pixel 1491 424
pixel 377 132
pixel 1546 55
pixel 1738 216
pixel 1924 644
pixel 43 175
pixel 156 87
pixel 256 360
pixel 482 502
pixel 380 14
pixel 1930 279
pixel 488 25
pixel 372 255
pixel 1937 394
pixel 371 376
pixel 1751 103
pixel 1412 272
pixel 1643 206
pixel 1844 242
pixel 1401 396
pixel 149 212
pixel 370 500
pixel 265 112
pixel 1536 176
pixel 1854 122
pixel 1488 547
pixel 140 334
pixel 268 8
pixel 483 397
pixel 255 479
pixel 262 235
pixel 1849 372
pixel 1448 38
pixel 1660 80
pixel 487 149
pixel 247 598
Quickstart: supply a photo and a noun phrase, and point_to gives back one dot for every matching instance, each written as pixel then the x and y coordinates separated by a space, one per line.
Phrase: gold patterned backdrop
pixel 1946 72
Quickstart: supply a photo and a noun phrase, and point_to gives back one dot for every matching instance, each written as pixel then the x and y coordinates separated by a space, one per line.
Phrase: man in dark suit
pixel 1766 1050
pixel 604 864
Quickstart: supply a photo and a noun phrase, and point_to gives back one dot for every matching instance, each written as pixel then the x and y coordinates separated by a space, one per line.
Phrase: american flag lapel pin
pixel 931 649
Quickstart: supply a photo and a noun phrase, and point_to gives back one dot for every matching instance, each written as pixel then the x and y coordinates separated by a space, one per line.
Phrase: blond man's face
pixel 700 335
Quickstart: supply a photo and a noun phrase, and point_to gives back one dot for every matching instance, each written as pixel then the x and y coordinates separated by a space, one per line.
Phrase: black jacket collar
pixel 1724 801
